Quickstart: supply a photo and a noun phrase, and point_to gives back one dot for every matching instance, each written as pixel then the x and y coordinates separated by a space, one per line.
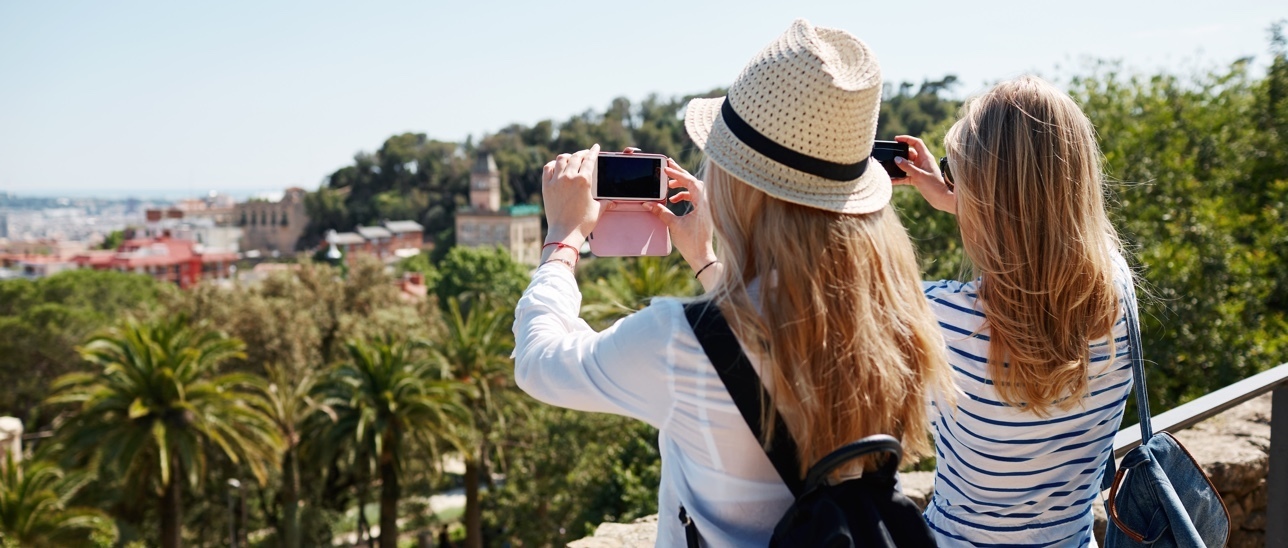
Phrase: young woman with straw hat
pixel 812 270
pixel 1038 339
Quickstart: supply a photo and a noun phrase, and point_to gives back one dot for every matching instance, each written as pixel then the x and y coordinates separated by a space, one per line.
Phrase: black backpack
pixel 861 512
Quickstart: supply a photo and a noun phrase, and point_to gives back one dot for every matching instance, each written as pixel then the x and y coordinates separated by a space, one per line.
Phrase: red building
pixel 405 235
pixel 164 258
pixel 391 242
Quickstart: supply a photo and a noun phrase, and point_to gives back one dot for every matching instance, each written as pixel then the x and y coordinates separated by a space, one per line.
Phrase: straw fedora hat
pixel 799 122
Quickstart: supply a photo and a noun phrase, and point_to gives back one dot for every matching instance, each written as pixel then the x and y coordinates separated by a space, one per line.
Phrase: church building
pixel 486 222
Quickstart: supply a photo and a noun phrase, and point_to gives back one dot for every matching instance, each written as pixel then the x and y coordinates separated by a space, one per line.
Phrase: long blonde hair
pixel 845 338
pixel 1031 208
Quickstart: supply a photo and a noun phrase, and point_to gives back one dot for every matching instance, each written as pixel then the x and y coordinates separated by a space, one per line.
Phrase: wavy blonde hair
pixel 843 333
pixel 1031 209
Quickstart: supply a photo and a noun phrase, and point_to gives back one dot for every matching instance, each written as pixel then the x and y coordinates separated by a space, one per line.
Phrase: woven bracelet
pixel 561 245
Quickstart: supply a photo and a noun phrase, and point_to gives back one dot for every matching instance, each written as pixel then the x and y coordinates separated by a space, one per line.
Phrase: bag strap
pixel 744 386
pixel 879 443
pixel 1137 366
pixel 1136 354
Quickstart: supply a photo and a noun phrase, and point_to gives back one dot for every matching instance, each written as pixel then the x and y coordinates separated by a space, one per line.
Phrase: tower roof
pixel 484 164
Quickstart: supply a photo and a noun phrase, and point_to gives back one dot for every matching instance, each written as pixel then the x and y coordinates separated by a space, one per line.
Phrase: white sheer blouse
pixel 649 366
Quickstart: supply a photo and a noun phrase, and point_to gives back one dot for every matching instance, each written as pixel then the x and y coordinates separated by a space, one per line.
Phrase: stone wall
pixel 1233 448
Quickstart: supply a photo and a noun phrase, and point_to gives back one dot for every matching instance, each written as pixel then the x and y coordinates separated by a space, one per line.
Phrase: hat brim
pixel 866 194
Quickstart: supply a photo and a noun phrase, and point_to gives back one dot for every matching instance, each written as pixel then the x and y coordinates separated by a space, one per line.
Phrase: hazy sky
pixel 179 98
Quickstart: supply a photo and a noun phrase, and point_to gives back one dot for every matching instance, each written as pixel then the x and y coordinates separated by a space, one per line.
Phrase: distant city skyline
pixel 162 100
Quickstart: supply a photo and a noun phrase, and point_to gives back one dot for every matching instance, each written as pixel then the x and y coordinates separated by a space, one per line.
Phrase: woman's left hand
pixel 691 233
pixel 567 193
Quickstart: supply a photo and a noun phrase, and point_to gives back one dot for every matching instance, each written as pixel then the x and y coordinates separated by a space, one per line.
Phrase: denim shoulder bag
pixel 1160 496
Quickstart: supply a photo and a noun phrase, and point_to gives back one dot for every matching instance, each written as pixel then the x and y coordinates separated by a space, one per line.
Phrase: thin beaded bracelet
pixel 704 269
pixel 571 266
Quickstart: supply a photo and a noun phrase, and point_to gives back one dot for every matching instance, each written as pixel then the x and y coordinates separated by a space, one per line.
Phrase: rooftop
pixel 344 238
pixel 520 210
pixel 483 163
pixel 403 227
pixel 161 251
pixel 373 232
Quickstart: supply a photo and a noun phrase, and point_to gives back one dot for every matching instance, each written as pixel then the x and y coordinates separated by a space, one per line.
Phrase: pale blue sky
pixel 179 98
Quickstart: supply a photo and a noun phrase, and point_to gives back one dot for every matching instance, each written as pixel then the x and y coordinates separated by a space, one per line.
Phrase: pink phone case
pixel 630 234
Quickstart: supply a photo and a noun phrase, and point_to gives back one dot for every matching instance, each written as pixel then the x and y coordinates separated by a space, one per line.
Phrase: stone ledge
pixel 1232 447
pixel 641 533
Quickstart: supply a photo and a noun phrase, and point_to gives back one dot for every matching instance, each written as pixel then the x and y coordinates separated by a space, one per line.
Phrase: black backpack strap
pixel 690 529
pixel 744 386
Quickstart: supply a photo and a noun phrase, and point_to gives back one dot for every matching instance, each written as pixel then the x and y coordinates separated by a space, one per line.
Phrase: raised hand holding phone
pixel 923 173
pixel 691 233
pixel 566 190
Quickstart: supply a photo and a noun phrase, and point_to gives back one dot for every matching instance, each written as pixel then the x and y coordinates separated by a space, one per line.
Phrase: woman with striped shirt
pixel 1037 341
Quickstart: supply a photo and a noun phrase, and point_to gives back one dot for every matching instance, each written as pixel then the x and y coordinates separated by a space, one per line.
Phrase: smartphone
pixel 630 177
pixel 886 151
pixel 630 231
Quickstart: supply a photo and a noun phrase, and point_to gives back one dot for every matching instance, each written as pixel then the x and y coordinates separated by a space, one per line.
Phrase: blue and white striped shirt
pixel 1005 477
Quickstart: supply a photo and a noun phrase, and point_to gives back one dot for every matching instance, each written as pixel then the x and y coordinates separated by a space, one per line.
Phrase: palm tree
pixel 476 349
pixel 632 284
pixel 383 397
pixel 157 404
pixel 288 404
pixel 35 508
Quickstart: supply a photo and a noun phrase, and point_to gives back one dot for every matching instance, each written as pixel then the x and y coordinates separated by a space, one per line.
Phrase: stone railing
pixel 1233 448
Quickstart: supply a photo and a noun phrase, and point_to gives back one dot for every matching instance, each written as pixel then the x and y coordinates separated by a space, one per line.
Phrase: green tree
pixel 476 350
pixel 36 508
pixel 388 401
pixel 42 321
pixel 470 273
pixel 297 321
pixel 568 471
pixel 906 112
pixel 113 240
pixel 301 318
pixel 289 404
pixel 615 288
pixel 1200 205
pixel 420 264
pixel 411 177
pixel 156 405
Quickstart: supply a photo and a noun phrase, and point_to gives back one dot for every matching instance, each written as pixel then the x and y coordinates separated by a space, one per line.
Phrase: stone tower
pixel 486 223
pixel 485 185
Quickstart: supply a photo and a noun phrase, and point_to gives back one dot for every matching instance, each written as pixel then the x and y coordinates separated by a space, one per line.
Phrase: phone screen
pixel 626 177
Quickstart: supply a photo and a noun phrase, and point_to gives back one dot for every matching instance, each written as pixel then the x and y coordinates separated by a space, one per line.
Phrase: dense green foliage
pixel 155 406
pixel 323 390
pixel 36 511
pixel 42 322
pixel 1202 170
pixel 471 274
pixel 388 402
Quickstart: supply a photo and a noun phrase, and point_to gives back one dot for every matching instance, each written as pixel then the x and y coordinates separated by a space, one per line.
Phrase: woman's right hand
pixel 923 173
pixel 691 233
pixel 567 194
